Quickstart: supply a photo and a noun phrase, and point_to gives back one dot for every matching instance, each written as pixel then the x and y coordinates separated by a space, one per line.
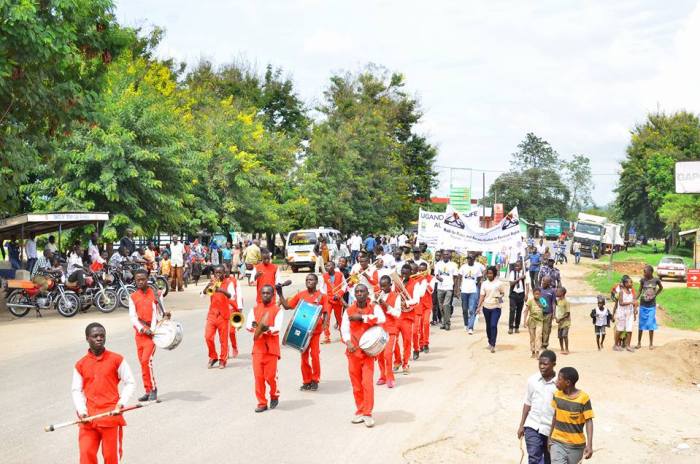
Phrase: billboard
pixel 688 177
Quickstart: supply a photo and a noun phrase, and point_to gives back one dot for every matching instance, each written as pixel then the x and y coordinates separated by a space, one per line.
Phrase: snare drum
pixel 168 334
pixel 373 341
pixel 301 327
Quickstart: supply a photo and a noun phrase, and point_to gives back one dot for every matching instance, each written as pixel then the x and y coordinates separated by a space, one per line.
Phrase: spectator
pixel 547 292
pixel 471 276
pixel 536 420
pixel 576 248
pixel 14 252
pixel 572 412
pixel 177 260
pixel 51 245
pixel 534 260
pixel 446 274
pixel 517 296
pixel 30 250
pixel 491 301
pixel 649 288
pixel 128 242
pixel 370 243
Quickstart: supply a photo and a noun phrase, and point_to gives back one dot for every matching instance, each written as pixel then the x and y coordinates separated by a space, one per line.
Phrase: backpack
pixel 593 315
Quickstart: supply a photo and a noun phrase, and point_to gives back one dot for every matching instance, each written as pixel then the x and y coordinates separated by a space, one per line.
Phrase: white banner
pixel 688 177
pixel 430 225
pixel 459 232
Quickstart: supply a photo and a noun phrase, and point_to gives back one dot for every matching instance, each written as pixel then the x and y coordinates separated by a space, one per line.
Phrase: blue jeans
pixel 353 257
pixel 491 317
pixel 469 301
pixel 536 444
pixel 578 257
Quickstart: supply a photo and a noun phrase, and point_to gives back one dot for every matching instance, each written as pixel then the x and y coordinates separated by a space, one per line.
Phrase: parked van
pixel 299 247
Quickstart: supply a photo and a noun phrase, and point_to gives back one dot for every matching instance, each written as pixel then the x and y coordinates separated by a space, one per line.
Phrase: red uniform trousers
pixel 211 328
pixel 265 371
pixel 406 331
pixel 361 370
pixel 385 358
pixel 425 332
pixel 337 310
pixel 234 343
pixel 417 327
pixel 312 372
pixel 145 349
pixel 89 439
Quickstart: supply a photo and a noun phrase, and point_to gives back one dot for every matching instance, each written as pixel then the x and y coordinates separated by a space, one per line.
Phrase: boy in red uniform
pixel 359 317
pixel 221 302
pixel 266 346
pixel 265 273
pixel 427 303
pixel 95 389
pixel 310 373
pixel 389 302
pixel 408 313
pixel 144 316
pixel 334 286
pixel 237 306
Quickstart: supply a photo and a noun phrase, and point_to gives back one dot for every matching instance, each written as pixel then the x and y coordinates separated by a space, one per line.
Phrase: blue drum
pixel 301 327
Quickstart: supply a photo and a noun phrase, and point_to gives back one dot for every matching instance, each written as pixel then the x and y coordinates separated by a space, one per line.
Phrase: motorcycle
pixel 124 278
pixel 96 293
pixel 27 296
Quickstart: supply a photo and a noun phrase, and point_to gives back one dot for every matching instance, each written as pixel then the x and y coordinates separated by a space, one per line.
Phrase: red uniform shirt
pixel 266 276
pixel 411 288
pixel 390 325
pixel 268 342
pixel 334 288
pixel 358 328
pixel 316 298
pixel 144 301
pixel 219 304
pixel 101 385
pixel 427 298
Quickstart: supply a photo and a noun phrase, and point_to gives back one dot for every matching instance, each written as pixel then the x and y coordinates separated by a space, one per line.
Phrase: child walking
pixel 534 321
pixel 563 317
pixel 601 318
pixel 625 315
pixel 572 412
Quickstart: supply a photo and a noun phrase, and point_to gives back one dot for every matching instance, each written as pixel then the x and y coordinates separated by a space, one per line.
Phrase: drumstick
pixel 52 427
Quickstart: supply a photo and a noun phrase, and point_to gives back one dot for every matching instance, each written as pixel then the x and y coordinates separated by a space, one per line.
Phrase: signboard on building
pixel 688 177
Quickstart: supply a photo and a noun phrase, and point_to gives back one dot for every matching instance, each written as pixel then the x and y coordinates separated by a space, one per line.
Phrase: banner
pixel 429 227
pixel 460 233
pixel 688 177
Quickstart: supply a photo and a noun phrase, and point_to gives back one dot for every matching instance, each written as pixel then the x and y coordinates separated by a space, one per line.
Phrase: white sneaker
pixel 471 332
pixel 358 419
pixel 369 421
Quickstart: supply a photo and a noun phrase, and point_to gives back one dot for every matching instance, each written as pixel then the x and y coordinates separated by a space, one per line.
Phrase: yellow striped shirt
pixel 570 416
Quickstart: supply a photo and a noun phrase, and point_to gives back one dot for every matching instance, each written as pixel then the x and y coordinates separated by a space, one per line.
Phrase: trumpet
pixel 419 274
pixel 354 279
pixel 237 320
pixel 209 290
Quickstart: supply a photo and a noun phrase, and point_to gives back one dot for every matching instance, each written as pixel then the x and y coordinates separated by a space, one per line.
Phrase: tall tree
pixel 52 57
pixel 646 178
pixel 536 192
pixel 580 181
pixel 535 153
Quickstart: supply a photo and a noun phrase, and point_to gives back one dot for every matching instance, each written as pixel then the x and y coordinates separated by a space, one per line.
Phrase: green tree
pixel 580 181
pixel 52 58
pixel 537 193
pixel 132 160
pixel 646 178
pixel 535 153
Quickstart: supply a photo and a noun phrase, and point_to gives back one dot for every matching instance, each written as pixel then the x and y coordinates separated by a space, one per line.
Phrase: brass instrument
pixel 403 293
pixel 237 320
pixel 354 278
pixel 419 274
pixel 261 326
pixel 209 289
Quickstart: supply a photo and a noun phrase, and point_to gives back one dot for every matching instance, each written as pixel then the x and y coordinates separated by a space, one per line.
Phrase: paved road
pixel 459 404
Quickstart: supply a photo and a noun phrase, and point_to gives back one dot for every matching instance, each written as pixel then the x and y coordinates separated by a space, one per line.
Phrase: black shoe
pixel 305 387
pixel 442 327
pixel 153 396
pixel 426 349
pixel 274 403
pixel 261 409
pixel 314 386
pixel 510 331
pixel 212 363
pixel 144 397
pixel 415 355
pixel 447 327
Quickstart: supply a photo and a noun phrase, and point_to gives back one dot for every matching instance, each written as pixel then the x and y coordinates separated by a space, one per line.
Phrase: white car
pixel 672 267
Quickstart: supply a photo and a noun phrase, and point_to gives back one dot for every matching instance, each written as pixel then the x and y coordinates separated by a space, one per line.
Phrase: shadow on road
pixel 188 395
pixel 396 416
pixel 291 405
pixel 333 386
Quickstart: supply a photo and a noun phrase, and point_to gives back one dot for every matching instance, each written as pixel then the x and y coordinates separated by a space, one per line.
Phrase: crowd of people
pixel 404 287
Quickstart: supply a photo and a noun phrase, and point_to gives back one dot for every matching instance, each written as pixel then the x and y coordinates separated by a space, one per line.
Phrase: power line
pixel 495 171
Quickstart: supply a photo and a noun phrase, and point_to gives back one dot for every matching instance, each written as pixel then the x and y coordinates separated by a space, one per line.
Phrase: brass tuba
pixel 237 320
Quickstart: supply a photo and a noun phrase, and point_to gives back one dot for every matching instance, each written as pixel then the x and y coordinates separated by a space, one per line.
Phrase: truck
pixel 613 237
pixel 554 227
pixel 589 231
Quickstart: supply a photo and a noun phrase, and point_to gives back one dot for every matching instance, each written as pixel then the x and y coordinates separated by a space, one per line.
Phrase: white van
pixel 299 246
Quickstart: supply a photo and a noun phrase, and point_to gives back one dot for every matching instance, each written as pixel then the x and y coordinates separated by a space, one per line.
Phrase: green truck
pixel 554 227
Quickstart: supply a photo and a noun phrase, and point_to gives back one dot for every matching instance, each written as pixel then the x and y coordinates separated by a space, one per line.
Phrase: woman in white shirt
pixel 491 301
pixel 76 272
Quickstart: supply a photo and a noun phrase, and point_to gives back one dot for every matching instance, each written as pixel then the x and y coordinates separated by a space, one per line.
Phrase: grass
pixel 645 253
pixel 682 304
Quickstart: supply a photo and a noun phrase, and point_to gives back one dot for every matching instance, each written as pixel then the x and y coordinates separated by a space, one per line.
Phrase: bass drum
pixel 373 341
pixel 168 334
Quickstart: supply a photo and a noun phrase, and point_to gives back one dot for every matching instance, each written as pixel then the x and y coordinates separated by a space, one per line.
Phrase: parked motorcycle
pixel 26 296
pixel 96 292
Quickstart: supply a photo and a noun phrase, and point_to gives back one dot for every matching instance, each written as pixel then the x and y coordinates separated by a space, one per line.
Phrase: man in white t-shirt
pixel 402 239
pixel 30 248
pixel 470 274
pixel 386 257
pixel 355 243
pixel 177 261
pixel 446 273
pixel 536 420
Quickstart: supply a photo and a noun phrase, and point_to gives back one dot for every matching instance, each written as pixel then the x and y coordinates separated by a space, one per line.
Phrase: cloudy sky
pixel 578 74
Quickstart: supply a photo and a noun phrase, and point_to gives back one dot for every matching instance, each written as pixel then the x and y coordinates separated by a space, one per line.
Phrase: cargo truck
pixel 589 231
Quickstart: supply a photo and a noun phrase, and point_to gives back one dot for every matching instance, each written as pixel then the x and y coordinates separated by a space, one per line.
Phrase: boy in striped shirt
pixel 572 411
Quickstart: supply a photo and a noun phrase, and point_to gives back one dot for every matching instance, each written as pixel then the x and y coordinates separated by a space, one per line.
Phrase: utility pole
pixel 483 197
pixel 612 248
